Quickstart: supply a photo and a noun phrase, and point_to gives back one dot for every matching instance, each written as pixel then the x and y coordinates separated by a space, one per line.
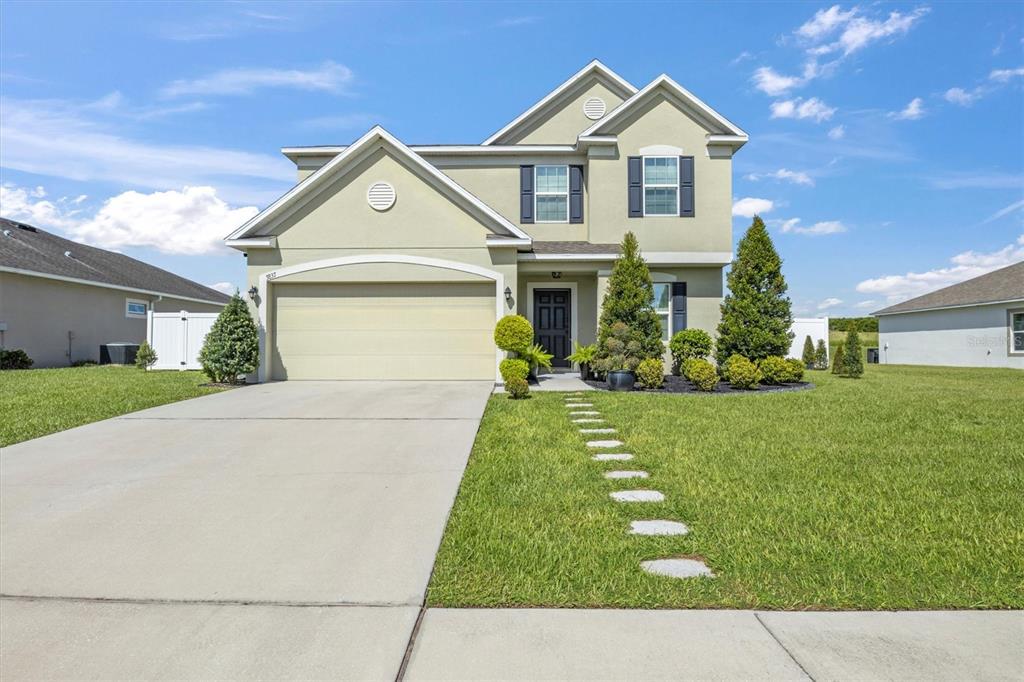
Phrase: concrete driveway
pixel 287 529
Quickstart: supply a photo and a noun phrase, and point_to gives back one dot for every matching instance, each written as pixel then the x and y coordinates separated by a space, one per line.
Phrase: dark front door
pixel 551 316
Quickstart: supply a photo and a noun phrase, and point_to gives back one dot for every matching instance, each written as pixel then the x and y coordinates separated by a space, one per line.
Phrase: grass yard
pixel 896 491
pixel 35 402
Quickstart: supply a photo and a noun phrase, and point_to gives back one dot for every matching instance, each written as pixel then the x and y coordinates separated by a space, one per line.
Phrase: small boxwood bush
pixel 796 370
pixel 513 333
pixel 741 373
pixel 774 370
pixel 15 359
pixel 513 367
pixel 651 372
pixel 689 343
pixel 517 388
pixel 702 374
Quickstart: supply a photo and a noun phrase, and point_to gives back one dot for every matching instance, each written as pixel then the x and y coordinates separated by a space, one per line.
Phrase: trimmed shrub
pixel 838 358
pixel 688 364
pixel 622 349
pixel 689 343
pixel 651 372
pixel 853 359
pixel 629 300
pixel 232 347
pixel 821 355
pixel 146 357
pixel 741 372
pixel 15 359
pixel 517 388
pixel 513 333
pixel 513 367
pixel 796 371
pixel 774 370
pixel 702 374
pixel 84 363
pixel 808 354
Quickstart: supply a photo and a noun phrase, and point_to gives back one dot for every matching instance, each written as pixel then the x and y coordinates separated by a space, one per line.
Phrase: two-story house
pixel 389 261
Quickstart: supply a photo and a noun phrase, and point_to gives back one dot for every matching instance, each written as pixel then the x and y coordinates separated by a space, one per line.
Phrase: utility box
pixel 118 353
pixel 873 356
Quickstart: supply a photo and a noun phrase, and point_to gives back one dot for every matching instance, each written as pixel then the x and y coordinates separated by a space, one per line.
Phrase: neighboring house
pixel 60 300
pixel 389 261
pixel 977 323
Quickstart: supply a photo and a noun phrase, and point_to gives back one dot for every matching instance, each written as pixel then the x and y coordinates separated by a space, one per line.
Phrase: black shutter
pixel 678 306
pixel 636 186
pixel 575 194
pixel 686 208
pixel 526 194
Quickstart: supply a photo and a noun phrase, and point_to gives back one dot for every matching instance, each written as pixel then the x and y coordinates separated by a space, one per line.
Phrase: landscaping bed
pixel 674 384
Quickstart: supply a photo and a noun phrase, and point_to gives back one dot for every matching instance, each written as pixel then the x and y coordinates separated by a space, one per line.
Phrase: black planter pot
pixel 621 380
pixel 584 371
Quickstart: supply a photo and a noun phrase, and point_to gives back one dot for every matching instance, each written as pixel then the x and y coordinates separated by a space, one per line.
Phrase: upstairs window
pixel 661 185
pixel 552 194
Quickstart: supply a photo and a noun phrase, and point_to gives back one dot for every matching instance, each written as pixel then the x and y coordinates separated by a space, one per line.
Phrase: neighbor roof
pixel 29 250
pixel 998 286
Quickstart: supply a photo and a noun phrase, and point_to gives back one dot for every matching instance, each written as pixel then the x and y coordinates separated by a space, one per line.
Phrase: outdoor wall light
pixel 556 275
pixel 508 297
pixel 253 292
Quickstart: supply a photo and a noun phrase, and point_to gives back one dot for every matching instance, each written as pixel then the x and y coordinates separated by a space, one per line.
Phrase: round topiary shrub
pixel 513 367
pixel 741 373
pixel 702 374
pixel 651 372
pixel 774 370
pixel 513 333
pixel 517 388
pixel 689 343
pixel 796 371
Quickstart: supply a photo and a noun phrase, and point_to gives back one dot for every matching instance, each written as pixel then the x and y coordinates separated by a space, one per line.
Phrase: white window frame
pixel 537 194
pixel 135 316
pixel 644 185
pixel 1011 333
pixel 668 311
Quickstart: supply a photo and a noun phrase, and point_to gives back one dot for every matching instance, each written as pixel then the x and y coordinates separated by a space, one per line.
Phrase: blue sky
pixel 886 152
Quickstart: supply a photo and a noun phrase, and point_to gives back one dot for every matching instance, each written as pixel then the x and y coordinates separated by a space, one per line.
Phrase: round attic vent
pixel 380 196
pixel 594 108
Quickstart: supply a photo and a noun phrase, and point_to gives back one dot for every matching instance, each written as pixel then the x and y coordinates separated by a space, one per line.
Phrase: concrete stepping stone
pixel 597 430
pixel 579 404
pixel 677 568
pixel 658 527
pixel 627 474
pixel 587 421
pixel 584 413
pixel 612 457
pixel 604 443
pixel 638 496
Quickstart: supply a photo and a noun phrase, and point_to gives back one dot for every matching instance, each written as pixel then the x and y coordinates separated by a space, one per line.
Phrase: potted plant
pixel 583 356
pixel 623 351
pixel 537 358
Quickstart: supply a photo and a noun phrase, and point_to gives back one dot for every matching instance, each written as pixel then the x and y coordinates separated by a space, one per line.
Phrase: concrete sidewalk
pixel 608 644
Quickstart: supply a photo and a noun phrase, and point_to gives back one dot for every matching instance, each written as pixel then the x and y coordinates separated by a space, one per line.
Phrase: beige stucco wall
pixel 40 312
pixel 565 121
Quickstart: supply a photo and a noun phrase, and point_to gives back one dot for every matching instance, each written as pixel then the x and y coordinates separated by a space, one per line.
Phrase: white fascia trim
pixel 598 139
pixel 684 94
pixel 652 257
pixel 268 278
pixel 495 240
pixel 104 285
pixel 376 133
pixel 252 243
pixel 948 307
pixel 627 88
pixel 728 140
pixel 434 149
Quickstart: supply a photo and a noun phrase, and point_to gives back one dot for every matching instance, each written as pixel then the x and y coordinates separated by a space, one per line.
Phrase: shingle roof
pixel 1005 284
pixel 24 247
pixel 574 247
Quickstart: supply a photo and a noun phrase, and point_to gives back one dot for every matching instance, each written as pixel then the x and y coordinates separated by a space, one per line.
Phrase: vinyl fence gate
pixel 177 338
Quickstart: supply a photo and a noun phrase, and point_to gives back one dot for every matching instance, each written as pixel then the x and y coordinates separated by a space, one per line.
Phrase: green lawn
pixel 899 490
pixel 35 402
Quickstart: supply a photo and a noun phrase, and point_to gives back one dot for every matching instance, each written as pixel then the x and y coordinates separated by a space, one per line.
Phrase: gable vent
pixel 380 196
pixel 594 108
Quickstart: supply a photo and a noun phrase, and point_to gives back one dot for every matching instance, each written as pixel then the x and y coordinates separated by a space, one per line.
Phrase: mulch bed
pixel 674 384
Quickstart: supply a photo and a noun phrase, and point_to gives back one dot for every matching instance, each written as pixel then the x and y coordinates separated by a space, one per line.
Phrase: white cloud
pixel 819 228
pixel 328 77
pixel 193 221
pixel 224 287
pixel 1006 210
pixel 913 111
pixel 829 303
pixel 861 32
pixel 748 207
pixel 837 133
pixel 978 180
pixel 796 177
pixel 339 122
pixel 866 305
pixel 1004 75
pixel 964 266
pixel 824 22
pixel 770 82
pixel 799 108
pixel 962 97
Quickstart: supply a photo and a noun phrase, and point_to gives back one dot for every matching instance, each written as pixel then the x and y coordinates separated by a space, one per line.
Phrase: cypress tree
pixel 821 355
pixel 808 355
pixel 838 358
pixel 853 363
pixel 756 313
pixel 232 346
pixel 629 299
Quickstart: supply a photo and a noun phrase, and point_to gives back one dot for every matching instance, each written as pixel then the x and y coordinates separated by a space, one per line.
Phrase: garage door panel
pixel 383 331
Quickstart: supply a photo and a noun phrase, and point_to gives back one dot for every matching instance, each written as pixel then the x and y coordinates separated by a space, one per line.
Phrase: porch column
pixel 602 287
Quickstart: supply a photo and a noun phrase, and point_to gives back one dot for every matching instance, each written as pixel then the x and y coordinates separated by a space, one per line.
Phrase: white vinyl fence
pixel 815 327
pixel 177 338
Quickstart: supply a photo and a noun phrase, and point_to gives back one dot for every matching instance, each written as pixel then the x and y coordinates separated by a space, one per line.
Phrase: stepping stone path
pixel 658 527
pixel 604 443
pixel 677 568
pixel 584 413
pixel 579 404
pixel 626 474
pixel 597 430
pixel 587 421
pixel 638 496
pixel 612 457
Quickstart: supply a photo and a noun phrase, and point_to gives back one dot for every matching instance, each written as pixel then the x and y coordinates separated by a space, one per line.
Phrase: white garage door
pixel 383 331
